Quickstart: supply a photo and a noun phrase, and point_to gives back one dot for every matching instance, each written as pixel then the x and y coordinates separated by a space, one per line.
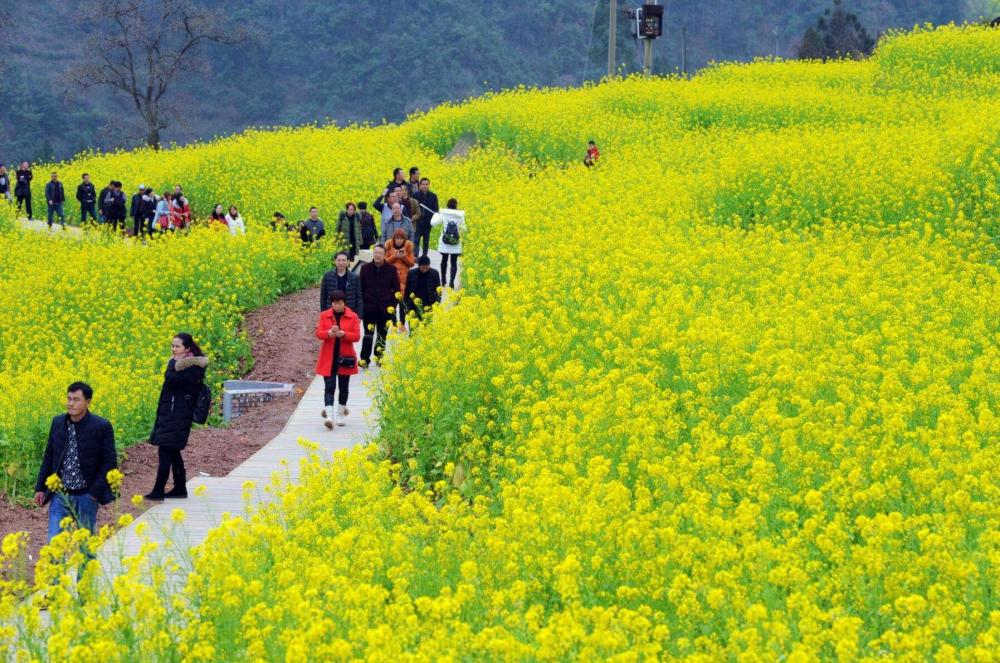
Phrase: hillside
pixel 351 62
pixel 733 393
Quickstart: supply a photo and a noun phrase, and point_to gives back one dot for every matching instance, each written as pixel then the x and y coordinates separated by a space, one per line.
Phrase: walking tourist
pixel 81 451
pixel 452 221
pixel 175 414
pixel 379 286
pixel 339 329
pixel 399 254
pixel 55 196
pixel 22 188
pixel 349 227
pixel 369 233
pixel 86 194
pixel 423 285
pixel 396 221
pixel 343 279
pixel 428 202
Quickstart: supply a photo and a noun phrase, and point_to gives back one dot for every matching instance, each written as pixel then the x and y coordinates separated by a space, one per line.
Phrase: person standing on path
pixel 423 287
pixel 452 221
pixel 410 206
pixel 413 184
pixel 22 188
pixel 80 451
pixel 428 202
pixel 343 279
pixel 339 329
pixel 175 414
pixel 86 194
pixel 369 233
pixel 385 202
pixel 396 221
pixel 55 196
pixel 349 227
pixel 399 254
pixel 379 287
pixel 5 184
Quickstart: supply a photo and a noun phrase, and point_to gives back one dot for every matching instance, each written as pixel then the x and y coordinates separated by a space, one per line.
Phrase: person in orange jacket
pixel 399 254
pixel 339 328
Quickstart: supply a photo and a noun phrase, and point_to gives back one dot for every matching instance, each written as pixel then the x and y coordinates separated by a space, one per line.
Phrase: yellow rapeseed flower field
pixel 733 394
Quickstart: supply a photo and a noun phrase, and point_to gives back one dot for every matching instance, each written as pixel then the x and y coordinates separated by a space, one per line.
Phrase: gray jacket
pixel 389 227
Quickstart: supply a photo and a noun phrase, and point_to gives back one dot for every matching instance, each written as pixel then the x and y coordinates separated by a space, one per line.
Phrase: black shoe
pixel 174 493
pixel 153 497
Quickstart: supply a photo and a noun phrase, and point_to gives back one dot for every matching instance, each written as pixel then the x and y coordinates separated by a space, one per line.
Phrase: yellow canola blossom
pixel 734 393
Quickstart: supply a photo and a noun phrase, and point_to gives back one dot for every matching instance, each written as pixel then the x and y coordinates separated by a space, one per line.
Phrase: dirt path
pixel 283 347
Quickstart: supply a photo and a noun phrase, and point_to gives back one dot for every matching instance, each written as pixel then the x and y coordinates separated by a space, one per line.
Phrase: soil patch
pixel 282 343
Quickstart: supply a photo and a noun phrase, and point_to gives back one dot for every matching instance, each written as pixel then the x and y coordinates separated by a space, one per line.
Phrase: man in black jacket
pixel 137 210
pixel 379 286
pixel 341 278
pixel 113 205
pixel 55 196
pixel 428 202
pixel 422 287
pixel 80 452
pixel 87 195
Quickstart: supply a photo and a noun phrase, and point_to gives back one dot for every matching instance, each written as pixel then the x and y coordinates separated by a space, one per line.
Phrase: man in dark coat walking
pixel 428 202
pixel 422 283
pixel 87 195
pixel 55 196
pixel 80 451
pixel 379 286
pixel 341 278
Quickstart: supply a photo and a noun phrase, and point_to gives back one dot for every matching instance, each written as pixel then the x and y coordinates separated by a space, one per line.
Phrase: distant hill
pixel 354 61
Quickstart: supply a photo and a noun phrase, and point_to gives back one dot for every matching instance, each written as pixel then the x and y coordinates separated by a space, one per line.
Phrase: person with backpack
pixel 22 188
pixel 349 227
pixel 339 329
pixel 86 194
pixel 369 232
pixel 55 196
pixel 175 413
pixel 428 202
pixel 452 221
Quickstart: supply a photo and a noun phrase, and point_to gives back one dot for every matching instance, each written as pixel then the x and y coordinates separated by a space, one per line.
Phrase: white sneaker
pixel 327 421
pixel 340 420
pixel 344 411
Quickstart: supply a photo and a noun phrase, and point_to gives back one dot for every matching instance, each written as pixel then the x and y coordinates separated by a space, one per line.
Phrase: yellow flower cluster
pixel 734 393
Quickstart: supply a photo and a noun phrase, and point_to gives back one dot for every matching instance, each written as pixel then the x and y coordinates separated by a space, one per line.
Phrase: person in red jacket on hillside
pixel 339 328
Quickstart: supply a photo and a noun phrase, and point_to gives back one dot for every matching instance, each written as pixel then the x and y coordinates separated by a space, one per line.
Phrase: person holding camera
pixel 339 329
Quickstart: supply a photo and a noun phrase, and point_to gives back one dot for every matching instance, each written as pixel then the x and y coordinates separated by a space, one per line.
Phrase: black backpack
pixel 451 236
pixel 202 404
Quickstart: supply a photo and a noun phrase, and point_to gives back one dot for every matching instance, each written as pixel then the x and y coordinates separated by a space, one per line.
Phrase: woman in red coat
pixel 339 328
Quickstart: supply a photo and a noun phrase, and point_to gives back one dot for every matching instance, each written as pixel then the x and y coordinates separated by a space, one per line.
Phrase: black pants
pixel 25 200
pixel 333 382
pixel 85 209
pixel 170 459
pixel 137 225
pixel 444 268
pixel 422 238
pixel 380 321
pixel 114 221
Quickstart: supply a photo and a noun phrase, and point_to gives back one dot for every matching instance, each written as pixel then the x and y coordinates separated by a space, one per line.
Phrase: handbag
pixel 347 362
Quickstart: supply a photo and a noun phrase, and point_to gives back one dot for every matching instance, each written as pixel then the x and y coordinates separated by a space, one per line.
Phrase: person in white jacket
pixel 235 221
pixel 452 222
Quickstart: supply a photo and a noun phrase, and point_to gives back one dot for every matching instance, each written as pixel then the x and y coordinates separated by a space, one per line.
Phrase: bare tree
pixel 139 49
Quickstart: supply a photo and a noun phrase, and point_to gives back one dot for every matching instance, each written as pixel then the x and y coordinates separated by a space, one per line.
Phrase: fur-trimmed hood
pixel 188 362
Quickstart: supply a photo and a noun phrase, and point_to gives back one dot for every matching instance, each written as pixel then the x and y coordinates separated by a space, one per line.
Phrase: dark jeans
pixel 379 320
pixel 114 221
pixel 24 199
pixel 170 459
pixel 85 209
pixel 444 268
pixel 57 210
pixel 138 225
pixel 422 237
pixel 330 384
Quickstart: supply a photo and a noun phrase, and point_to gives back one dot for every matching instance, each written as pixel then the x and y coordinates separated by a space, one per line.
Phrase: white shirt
pixel 236 226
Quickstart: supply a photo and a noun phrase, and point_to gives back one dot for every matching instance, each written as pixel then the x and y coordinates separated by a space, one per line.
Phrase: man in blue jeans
pixel 81 451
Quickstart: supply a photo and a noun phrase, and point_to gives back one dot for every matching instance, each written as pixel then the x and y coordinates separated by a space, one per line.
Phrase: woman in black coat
pixel 175 413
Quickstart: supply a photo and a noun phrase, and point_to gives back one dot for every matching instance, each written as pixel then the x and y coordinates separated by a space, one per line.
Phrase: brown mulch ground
pixel 282 339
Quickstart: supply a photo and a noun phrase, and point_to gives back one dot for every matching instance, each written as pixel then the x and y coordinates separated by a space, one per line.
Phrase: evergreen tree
pixel 837 34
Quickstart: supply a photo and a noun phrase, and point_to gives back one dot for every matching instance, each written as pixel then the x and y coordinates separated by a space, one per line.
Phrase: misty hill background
pixel 364 61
